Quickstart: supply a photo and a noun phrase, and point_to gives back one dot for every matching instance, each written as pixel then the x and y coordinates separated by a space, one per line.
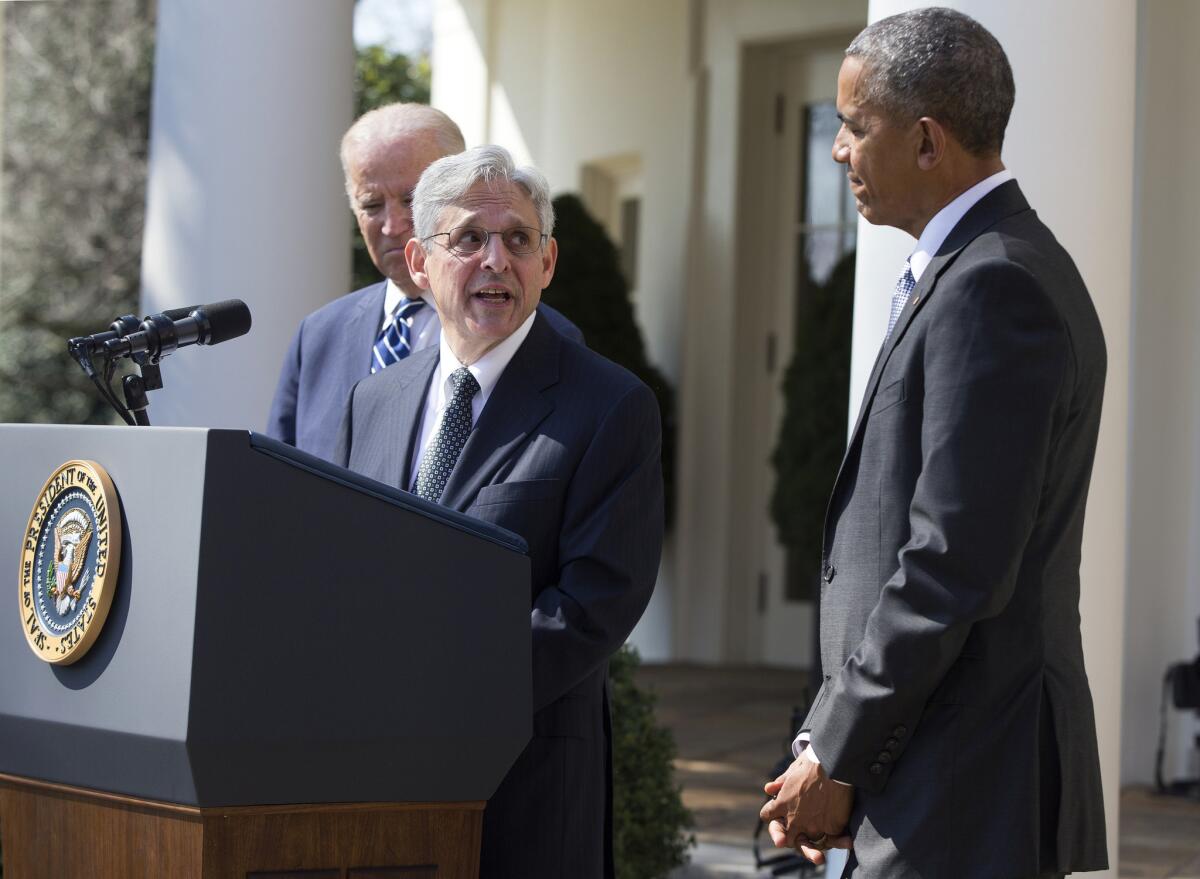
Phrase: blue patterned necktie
pixel 450 438
pixel 395 342
pixel 904 287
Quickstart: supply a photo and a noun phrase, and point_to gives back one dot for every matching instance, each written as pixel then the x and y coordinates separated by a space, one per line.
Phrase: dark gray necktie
pixel 450 438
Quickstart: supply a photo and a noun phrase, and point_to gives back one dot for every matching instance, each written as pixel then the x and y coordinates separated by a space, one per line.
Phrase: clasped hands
pixel 809 810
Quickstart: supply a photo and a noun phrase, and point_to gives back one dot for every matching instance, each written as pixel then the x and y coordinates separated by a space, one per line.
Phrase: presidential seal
pixel 69 562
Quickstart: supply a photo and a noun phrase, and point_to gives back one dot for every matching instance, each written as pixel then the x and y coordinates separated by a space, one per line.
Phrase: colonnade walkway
pixel 731 725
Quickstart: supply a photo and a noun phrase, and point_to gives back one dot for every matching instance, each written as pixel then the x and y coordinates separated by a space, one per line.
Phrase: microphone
pixel 121 327
pixel 163 334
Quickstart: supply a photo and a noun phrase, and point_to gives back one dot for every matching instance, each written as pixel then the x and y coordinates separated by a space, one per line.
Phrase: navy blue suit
pixel 566 453
pixel 329 354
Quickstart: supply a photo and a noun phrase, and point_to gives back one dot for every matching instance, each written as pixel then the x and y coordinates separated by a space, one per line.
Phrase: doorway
pixel 797 234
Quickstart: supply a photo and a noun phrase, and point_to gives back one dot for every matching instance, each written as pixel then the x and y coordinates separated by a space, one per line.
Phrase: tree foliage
pixel 649 820
pixel 76 130
pixel 812 438
pixel 588 288
pixel 384 77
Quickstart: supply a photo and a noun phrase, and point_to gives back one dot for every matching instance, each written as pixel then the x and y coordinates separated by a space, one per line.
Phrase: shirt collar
pixel 938 229
pixel 392 294
pixel 488 368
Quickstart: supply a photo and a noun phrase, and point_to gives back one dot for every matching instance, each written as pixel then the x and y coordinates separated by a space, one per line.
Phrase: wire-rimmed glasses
pixel 466 240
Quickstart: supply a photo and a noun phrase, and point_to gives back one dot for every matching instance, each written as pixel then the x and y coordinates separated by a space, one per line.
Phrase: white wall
pixel 459 60
pixel 617 82
pixel 1164 506
pixel 1070 144
pixel 244 195
pixel 709 585
pixel 561 84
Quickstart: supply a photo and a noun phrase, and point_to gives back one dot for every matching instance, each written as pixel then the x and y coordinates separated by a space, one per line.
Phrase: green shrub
pixel 812 438
pixel 590 290
pixel 649 820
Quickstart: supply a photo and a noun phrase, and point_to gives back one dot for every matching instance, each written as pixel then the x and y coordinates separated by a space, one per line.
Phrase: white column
pixel 461 59
pixel 1164 490
pixel 245 197
pixel 1070 144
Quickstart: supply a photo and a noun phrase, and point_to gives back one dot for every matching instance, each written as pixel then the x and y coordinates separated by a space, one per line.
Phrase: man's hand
pixel 808 806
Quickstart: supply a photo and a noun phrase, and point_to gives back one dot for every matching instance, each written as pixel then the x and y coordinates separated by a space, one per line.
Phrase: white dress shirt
pixel 487 371
pixel 944 221
pixel 424 327
pixel 933 236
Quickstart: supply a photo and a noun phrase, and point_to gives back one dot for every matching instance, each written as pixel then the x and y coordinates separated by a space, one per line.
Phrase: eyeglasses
pixel 464 240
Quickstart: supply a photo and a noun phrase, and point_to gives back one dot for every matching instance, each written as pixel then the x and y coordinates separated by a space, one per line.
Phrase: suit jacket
pixel 329 353
pixel 954 695
pixel 566 453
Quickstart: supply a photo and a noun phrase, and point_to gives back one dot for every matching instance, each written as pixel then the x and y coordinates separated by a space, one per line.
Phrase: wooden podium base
pixel 51 830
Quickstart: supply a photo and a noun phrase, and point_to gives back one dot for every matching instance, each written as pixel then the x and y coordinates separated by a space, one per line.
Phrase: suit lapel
pixel 360 332
pixel 1003 201
pixel 919 294
pixel 516 406
pixel 402 417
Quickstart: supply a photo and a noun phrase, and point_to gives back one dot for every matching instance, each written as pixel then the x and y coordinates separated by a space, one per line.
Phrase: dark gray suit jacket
pixel 566 453
pixel 954 695
pixel 329 353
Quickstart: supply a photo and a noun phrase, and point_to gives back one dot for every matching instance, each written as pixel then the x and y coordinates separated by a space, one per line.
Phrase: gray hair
pixel 392 121
pixel 940 63
pixel 448 180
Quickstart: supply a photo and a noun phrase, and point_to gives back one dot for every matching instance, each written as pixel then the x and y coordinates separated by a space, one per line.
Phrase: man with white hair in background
pixel 383 154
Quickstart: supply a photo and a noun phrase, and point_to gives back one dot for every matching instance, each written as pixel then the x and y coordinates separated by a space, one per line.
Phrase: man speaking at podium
pixel 383 154
pixel 507 421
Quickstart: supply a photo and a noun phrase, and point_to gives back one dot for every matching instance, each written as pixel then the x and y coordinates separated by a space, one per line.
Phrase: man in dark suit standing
pixel 507 421
pixel 953 735
pixel 383 154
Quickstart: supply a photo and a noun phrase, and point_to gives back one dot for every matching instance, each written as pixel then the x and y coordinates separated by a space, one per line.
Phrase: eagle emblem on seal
pixel 70 561
pixel 71 537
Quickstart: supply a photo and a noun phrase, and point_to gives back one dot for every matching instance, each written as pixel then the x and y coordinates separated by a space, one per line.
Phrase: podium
pixel 303 672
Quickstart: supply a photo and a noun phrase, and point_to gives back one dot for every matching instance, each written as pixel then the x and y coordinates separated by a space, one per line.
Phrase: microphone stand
pixel 146 342
pixel 135 385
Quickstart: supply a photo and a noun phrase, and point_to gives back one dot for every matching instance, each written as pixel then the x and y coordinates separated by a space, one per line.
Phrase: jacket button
pixel 884 757
pixel 876 768
pixel 891 744
pixel 828 573
pixel 900 732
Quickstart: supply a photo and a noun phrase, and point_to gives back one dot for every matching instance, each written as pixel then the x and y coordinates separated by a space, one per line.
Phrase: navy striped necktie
pixel 395 342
